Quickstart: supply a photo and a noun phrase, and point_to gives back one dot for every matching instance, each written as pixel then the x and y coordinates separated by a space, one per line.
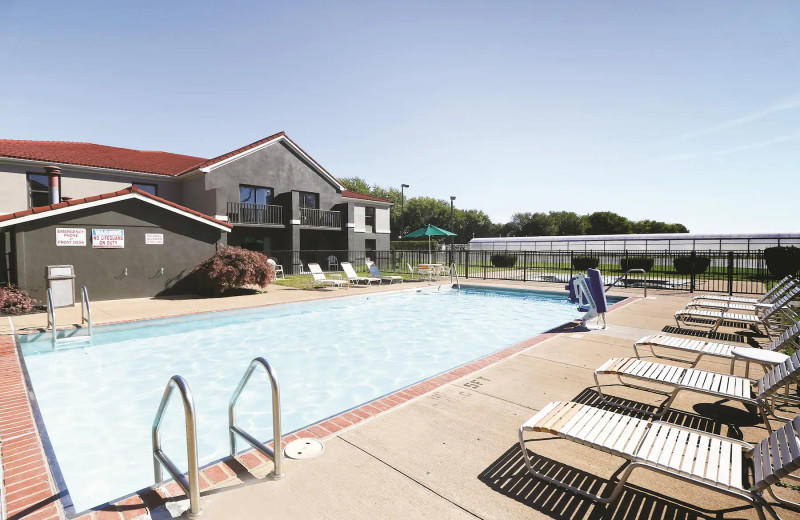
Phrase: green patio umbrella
pixel 429 231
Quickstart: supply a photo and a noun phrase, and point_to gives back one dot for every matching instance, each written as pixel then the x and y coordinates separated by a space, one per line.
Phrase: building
pixel 270 195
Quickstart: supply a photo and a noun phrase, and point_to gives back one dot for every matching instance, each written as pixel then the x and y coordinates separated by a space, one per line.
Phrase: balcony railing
pixel 320 218
pixel 249 213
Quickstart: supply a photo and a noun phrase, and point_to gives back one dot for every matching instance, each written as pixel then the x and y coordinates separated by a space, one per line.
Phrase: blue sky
pixel 676 111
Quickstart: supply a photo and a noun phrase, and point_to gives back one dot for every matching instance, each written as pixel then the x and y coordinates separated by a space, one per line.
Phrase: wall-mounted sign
pixel 155 239
pixel 108 238
pixel 70 236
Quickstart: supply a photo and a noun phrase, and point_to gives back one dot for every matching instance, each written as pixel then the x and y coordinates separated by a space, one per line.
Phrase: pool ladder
pixel 86 317
pixel 454 269
pixel 190 483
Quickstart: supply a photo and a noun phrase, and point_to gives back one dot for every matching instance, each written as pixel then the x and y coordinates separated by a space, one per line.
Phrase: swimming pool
pixel 331 355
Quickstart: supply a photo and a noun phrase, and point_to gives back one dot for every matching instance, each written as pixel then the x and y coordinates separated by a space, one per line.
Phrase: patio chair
pixel 410 270
pixel 333 263
pixel 708 460
pixel 320 280
pixel 769 297
pixel 755 306
pixel 760 393
pixel 767 356
pixel 426 270
pixel 354 278
pixel 374 271
pixel 769 319
pixel 278 268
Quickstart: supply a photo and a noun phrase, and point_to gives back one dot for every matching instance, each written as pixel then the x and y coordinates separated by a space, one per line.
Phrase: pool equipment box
pixel 61 281
pixel 70 237
pixel 108 238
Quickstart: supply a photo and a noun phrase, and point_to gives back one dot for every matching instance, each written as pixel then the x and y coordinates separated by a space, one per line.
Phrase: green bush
pixel 637 262
pixel 684 264
pixel 582 263
pixel 782 260
pixel 503 260
pixel 414 245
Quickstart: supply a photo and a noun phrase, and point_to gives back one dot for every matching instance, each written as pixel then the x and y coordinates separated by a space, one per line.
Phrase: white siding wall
pixel 360 218
pixel 13 189
pixel 382 220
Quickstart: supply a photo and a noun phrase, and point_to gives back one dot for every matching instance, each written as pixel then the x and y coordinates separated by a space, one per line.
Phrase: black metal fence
pixel 710 271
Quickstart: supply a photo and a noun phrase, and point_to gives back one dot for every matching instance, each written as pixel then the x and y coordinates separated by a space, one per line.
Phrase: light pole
pixel 402 210
pixel 452 199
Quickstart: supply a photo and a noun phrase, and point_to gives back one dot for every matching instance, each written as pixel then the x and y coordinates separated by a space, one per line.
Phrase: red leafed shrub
pixel 15 301
pixel 231 268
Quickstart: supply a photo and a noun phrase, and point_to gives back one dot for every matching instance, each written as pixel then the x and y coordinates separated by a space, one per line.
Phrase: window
pixel 38 190
pixel 369 219
pixel 255 194
pixel 309 200
pixel 152 189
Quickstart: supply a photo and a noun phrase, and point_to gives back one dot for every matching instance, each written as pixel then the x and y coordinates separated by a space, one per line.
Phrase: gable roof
pixel 355 195
pixel 99 156
pixel 96 200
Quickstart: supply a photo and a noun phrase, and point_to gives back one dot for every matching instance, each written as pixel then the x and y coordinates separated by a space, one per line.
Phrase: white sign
pixel 155 239
pixel 108 238
pixel 70 236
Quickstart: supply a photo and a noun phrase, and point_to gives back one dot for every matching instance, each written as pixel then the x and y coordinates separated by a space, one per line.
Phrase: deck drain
pixel 303 449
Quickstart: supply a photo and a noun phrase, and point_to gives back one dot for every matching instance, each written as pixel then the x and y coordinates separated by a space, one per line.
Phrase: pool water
pixel 98 402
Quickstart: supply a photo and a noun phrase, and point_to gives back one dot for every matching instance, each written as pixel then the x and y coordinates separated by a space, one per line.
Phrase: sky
pixel 676 111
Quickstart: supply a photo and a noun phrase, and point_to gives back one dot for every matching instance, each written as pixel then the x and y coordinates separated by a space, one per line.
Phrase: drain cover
pixel 304 449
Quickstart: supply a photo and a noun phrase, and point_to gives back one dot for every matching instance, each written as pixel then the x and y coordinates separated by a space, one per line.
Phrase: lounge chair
pixel 755 306
pixel 705 459
pixel 769 319
pixel 374 271
pixel 760 393
pixel 769 297
pixel 354 278
pixel 320 280
pixel 278 268
pixel 767 356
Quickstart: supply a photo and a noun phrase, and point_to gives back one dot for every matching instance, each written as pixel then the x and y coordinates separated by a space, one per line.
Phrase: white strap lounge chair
pixel 278 268
pixel 767 356
pixel 354 278
pixel 760 393
pixel 769 319
pixel 705 459
pixel 769 297
pixel 374 271
pixel 320 280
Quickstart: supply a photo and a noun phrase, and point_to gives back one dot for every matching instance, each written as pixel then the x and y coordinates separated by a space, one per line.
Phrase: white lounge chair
pixel 278 268
pixel 769 297
pixel 374 271
pixel 354 278
pixel 769 319
pixel 705 459
pixel 320 280
pixel 760 393
pixel 767 356
pixel 755 306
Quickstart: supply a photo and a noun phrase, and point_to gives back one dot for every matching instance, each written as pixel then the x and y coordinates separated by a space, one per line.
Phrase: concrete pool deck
pixel 450 451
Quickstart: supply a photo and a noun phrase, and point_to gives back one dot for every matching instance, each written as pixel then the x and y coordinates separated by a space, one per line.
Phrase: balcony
pixel 256 214
pixel 318 218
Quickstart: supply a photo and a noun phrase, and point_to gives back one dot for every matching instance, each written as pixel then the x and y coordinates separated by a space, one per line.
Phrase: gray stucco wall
pixel 187 242
pixel 276 167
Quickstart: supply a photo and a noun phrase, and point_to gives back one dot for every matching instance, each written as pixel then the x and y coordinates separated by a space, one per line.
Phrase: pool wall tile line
pixel 35 496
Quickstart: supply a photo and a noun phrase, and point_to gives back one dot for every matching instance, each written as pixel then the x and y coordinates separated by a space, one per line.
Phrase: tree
pixel 568 223
pixel 607 223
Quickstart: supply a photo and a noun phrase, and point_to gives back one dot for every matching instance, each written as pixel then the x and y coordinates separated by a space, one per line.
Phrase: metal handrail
pixel 51 315
pixel 249 213
pixel 625 276
pixel 276 454
pixel 190 486
pixel 320 218
pixel 86 310
pixel 453 269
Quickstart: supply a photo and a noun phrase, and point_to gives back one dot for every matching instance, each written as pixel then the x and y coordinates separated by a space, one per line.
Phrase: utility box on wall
pixel 61 281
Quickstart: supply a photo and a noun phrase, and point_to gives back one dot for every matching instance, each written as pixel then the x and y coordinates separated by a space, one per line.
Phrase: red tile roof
pixel 126 191
pixel 88 154
pixel 356 195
